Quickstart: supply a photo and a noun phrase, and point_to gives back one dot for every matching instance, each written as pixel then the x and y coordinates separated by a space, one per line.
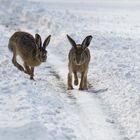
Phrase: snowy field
pixel 43 109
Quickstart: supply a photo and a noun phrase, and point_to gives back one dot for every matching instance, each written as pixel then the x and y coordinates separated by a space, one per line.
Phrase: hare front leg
pixel 14 61
pixel 32 73
pixel 70 81
pixel 27 68
pixel 75 78
pixel 83 83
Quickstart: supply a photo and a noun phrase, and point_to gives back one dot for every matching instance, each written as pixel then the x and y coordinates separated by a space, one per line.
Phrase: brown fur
pixel 26 46
pixel 79 58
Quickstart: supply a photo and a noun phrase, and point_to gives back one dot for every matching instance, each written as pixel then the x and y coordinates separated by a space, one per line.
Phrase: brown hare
pixel 30 49
pixel 79 58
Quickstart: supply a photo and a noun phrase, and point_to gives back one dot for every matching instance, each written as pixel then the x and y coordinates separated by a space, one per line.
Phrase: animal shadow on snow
pixel 97 90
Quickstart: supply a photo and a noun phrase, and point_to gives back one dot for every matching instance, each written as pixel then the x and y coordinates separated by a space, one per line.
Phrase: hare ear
pixel 38 40
pixel 46 42
pixel 86 41
pixel 72 42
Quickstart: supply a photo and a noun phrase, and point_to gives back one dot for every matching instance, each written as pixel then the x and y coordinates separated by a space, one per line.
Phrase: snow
pixel 44 109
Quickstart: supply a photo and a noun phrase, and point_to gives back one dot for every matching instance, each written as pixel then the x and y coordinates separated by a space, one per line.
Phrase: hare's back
pixel 23 41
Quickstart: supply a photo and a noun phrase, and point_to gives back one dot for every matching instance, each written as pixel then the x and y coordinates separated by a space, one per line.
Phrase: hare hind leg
pixel 14 61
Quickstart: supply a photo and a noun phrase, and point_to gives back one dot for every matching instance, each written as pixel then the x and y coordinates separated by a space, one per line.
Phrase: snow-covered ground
pixel 43 109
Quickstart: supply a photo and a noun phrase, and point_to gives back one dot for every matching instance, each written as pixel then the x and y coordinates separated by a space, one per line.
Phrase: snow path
pixel 93 121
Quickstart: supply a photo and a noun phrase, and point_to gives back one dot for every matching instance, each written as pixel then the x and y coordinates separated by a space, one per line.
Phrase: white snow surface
pixel 43 109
